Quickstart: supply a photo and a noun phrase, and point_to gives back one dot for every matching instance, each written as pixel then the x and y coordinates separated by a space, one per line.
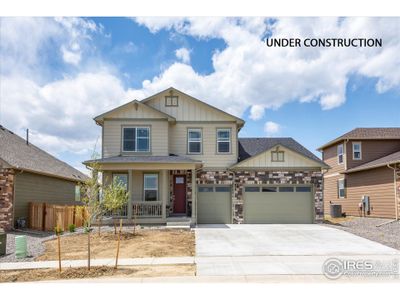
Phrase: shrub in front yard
pixel 71 227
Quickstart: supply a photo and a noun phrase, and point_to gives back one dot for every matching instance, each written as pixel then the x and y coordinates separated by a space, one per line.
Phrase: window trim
pixel 344 188
pixel 277 156
pixel 342 154
pixel 224 141
pixel 172 97
pixel 189 141
pixel 152 189
pixel 136 127
pixel 352 148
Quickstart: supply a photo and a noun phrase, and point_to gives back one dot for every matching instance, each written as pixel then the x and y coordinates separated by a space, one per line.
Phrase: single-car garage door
pixel 278 204
pixel 214 205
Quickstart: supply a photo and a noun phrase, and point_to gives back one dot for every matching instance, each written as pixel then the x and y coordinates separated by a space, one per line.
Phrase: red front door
pixel 180 194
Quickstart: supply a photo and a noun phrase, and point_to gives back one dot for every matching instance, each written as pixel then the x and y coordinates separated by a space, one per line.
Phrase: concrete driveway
pixel 278 249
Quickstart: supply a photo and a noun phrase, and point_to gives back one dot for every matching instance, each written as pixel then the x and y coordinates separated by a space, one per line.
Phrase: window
pixel 271 189
pixel 357 150
pixel 194 141
pixel 150 186
pixel 303 189
pixel 251 189
pixel 340 153
pixel 136 139
pixel 223 140
pixel 286 189
pixel 277 155
pixel 222 189
pixel 341 188
pixel 206 189
pixel 77 193
pixel 171 100
pixel 122 179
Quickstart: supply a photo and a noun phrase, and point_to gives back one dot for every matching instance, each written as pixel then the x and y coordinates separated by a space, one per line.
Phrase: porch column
pixel 194 197
pixel 130 189
pixel 164 192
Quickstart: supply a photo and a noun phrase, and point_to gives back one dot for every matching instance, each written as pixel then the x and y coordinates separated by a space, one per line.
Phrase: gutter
pixel 396 204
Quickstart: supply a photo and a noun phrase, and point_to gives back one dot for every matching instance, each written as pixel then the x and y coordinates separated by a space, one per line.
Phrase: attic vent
pixel 171 100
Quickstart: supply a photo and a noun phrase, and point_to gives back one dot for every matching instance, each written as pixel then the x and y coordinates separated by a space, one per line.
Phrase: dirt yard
pixel 146 243
pixel 95 272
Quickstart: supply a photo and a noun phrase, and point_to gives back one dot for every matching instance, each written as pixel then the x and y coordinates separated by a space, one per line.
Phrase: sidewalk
pixel 148 261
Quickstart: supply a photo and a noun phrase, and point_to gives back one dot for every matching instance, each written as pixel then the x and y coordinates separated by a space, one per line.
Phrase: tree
pixel 90 198
pixel 115 197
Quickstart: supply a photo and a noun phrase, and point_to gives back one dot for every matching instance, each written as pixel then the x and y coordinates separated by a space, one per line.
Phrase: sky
pixel 56 74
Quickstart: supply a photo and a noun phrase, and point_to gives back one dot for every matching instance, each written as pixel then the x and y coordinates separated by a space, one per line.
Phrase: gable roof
pixel 238 120
pixel 377 133
pixel 101 117
pixel 250 147
pixel 16 153
pixel 380 162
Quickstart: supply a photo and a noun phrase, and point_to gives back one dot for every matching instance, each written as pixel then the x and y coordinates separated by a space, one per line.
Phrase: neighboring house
pixel 180 157
pixel 29 174
pixel 364 162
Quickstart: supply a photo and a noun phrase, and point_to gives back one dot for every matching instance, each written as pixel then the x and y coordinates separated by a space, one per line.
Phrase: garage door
pixel 214 205
pixel 278 205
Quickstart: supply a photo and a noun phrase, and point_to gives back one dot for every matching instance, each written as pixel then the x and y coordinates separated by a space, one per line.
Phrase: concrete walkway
pixel 148 261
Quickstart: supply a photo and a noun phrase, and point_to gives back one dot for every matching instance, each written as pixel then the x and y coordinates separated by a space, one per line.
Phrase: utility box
pixel 336 210
pixel 3 243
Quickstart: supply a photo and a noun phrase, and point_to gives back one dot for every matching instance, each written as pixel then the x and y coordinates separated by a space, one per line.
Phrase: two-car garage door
pixel 262 204
pixel 278 205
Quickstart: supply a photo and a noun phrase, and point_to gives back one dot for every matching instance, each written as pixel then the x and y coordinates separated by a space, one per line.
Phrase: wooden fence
pixel 43 216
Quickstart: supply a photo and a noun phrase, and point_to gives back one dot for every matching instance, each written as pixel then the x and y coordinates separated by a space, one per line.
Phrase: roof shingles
pixel 19 155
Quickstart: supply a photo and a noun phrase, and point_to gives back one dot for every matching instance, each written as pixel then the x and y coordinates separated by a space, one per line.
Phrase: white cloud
pixel 71 57
pixel 271 128
pixel 247 74
pixel 257 112
pixel 183 54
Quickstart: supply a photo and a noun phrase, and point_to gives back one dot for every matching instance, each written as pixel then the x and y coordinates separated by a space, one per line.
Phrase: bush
pixel 58 230
pixel 71 227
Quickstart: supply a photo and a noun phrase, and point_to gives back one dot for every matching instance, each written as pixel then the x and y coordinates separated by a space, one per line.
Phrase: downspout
pixel 396 204
pixel 345 153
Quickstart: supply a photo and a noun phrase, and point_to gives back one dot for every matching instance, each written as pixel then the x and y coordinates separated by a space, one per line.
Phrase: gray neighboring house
pixel 29 174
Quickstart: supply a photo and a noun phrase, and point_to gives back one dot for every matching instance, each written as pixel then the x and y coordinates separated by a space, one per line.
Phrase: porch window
pixel 223 140
pixel 122 179
pixel 150 186
pixel 136 139
pixel 194 141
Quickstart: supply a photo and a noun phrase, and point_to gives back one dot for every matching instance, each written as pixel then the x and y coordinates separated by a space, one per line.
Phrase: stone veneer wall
pixel 6 197
pixel 170 205
pixel 241 178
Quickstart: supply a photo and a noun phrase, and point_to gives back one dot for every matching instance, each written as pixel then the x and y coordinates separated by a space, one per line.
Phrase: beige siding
pixel 32 187
pixel 188 109
pixel 329 157
pixel 371 150
pixel 113 134
pixel 291 159
pixel 209 156
pixel 377 184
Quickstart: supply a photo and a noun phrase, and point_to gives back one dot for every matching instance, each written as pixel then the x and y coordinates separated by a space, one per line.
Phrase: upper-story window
pixel 194 141
pixel 356 150
pixel 340 153
pixel 223 140
pixel 171 100
pixel 136 139
pixel 277 156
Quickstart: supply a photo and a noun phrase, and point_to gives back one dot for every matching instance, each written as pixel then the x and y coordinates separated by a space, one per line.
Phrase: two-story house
pixel 182 158
pixel 364 174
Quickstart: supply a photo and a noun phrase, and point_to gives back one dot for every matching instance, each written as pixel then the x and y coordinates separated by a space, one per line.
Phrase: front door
pixel 180 194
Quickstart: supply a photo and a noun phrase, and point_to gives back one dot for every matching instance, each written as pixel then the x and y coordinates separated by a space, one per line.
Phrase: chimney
pixel 27 136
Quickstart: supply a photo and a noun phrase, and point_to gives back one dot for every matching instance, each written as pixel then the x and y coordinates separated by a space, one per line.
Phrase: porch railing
pixel 123 212
pixel 147 209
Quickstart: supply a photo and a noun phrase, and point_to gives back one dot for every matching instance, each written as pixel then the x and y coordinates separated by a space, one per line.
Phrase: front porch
pixel 158 193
